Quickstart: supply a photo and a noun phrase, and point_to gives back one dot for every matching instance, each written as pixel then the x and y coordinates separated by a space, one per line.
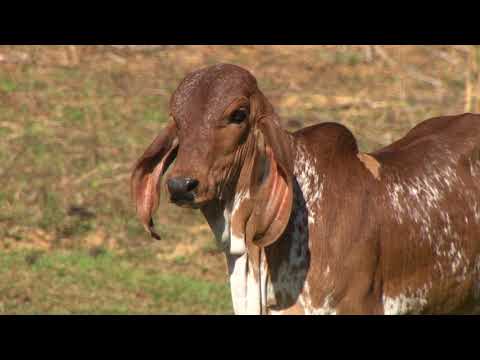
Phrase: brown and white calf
pixel 309 224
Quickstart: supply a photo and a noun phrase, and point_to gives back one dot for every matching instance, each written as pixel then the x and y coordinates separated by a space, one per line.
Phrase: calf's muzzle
pixel 181 189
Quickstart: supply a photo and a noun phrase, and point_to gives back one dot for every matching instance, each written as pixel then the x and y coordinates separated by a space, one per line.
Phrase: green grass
pixel 78 282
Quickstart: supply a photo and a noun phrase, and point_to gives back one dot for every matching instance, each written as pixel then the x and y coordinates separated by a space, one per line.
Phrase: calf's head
pixel 223 138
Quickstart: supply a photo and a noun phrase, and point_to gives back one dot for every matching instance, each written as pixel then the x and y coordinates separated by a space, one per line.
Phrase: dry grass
pixel 73 119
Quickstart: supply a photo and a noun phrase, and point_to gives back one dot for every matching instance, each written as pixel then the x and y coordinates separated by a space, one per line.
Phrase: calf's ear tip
pixel 150 228
pixel 155 235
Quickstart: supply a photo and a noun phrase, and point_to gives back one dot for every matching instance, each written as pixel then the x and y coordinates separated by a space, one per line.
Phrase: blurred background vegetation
pixel 73 119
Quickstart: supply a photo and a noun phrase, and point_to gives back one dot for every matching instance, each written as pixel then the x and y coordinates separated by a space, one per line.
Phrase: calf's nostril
pixel 191 184
pixel 180 187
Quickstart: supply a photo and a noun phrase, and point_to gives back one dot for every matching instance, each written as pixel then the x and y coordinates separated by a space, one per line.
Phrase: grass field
pixel 73 119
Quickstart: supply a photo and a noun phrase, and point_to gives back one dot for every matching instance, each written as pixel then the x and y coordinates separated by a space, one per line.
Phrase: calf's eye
pixel 238 116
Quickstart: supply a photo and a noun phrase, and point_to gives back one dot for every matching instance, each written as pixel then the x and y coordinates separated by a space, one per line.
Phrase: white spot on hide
pixel 244 288
pixel 406 303
pixel 310 181
pixel 306 302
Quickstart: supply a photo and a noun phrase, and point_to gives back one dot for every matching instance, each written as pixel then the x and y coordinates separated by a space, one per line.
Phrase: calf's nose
pixel 181 188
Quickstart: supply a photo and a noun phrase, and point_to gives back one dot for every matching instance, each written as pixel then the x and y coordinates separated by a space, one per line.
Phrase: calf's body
pixel 393 232
pixel 309 224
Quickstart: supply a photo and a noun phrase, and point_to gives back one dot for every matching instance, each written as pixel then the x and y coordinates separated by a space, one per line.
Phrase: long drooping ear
pixel 147 173
pixel 271 184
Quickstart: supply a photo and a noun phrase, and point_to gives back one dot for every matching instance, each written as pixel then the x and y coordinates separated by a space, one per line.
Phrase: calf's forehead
pixel 203 95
